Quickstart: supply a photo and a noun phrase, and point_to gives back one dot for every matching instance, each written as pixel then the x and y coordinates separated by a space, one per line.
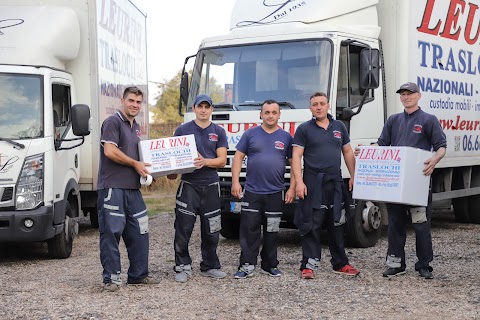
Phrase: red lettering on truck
pixel 451 28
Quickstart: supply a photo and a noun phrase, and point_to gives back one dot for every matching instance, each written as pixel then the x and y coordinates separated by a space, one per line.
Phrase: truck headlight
pixel 30 184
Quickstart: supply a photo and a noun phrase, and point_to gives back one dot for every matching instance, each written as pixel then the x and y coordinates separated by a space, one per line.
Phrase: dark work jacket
pixel 315 200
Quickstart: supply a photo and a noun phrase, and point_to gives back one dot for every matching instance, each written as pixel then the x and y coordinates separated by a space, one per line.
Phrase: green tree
pixel 165 109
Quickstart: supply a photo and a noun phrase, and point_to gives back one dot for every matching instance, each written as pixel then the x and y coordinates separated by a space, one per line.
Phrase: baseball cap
pixel 202 98
pixel 409 86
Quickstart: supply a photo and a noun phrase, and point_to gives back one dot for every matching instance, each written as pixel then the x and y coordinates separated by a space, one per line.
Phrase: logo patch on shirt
pixel 417 128
pixel 213 137
pixel 138 133
pixel 337 134
pixel 279 145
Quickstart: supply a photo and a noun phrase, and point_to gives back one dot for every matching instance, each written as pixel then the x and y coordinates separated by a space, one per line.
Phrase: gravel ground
pixel 35 287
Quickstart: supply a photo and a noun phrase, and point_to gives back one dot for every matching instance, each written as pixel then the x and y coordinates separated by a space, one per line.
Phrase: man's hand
pixel 430 165
pixel 199 162
pixel 237 191
pixel 301 190
pixel 290 195
pixel 141 169
pixel 357 149
pixel 350 184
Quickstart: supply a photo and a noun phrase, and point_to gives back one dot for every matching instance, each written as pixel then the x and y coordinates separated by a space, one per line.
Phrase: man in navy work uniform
pixel 199 193
pixel 412 128
pixel 321 142
pixel 121 209
pixel 268 147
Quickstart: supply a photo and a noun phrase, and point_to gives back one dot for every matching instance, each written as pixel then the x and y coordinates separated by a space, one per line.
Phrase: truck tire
pixel 230 226
pixel 364 227
pixel 461 209
pixel 60 246
pixel 93 213
pixel 474 206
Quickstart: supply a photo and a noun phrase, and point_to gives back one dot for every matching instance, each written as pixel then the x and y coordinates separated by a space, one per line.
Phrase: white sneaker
pixel 214 273
pixel 181 276
pixel 182 272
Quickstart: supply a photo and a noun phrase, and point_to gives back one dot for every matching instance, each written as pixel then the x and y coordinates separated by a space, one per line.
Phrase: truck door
pixel 364 226
pixel 66 161
pixel 367 124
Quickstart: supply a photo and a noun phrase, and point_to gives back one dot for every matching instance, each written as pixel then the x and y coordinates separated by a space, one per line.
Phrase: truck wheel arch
pixel 71 195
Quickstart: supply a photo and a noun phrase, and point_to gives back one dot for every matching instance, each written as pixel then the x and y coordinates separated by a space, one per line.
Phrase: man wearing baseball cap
pixel 412 128
pixel 409 86
pixel 198 193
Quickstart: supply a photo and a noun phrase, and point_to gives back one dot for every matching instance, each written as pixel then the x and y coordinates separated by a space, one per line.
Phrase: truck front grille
pixel 7 194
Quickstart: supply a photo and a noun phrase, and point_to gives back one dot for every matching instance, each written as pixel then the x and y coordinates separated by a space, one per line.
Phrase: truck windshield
pixel 242 77
pixel 21 105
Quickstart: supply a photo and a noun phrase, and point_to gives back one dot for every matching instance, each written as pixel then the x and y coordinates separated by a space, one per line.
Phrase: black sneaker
pixel 425 273
pixel 393 272
pixel 274 272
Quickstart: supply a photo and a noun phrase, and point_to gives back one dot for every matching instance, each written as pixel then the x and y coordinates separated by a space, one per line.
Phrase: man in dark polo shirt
pixel 199 193
pixel 121 210
pixel 321 142
pixel 268 148
pixel 412 128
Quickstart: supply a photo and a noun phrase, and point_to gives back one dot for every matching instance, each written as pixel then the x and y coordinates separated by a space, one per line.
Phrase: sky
pixel 175 30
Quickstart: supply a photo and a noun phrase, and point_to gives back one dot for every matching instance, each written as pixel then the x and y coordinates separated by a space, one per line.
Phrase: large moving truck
pixel 358 53
pixel 61 62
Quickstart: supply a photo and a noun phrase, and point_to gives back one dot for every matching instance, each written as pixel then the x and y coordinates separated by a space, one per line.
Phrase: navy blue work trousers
pixel 336 244
pixel 204 201
pixel 398 219
pixel 260 210
pixel 122 213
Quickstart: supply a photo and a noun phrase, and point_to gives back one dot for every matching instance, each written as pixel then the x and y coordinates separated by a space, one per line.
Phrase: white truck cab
pixel 56 87
pixel 358 53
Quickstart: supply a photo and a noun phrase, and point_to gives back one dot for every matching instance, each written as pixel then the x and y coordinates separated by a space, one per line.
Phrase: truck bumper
pixel 13 229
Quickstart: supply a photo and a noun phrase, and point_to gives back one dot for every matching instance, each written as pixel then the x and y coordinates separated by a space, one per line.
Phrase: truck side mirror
pixel 80 117
pixel 183 92
pixel 369 68
pixel 184 88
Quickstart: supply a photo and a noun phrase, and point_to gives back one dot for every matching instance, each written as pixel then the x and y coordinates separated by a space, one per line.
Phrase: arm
pixel 432 162
pixel 115 154
pixel 236 168
pixel 300 187
pixel 290 195
pixel 349 162
pixel 219 162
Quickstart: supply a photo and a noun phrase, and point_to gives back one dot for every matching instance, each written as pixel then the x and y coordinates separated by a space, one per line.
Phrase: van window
pixel 349 92
pixel 61 102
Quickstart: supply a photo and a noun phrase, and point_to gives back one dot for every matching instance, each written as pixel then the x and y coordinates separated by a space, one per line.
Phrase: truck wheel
pixel 474 205
pixel 93 212
pixel 60 246
pixel 230 226
pixel 365 225
pixel 461 209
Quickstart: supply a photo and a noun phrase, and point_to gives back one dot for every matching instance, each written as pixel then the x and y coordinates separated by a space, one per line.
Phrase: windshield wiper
pixel 286 104
pixel 16 144
pixel 226 106
pixel 259 104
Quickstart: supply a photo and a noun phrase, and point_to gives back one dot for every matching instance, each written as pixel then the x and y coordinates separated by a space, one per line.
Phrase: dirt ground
pixel 36 287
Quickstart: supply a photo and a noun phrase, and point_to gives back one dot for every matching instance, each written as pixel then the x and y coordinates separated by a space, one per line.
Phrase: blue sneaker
pixel 274 272
pixel 245 271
